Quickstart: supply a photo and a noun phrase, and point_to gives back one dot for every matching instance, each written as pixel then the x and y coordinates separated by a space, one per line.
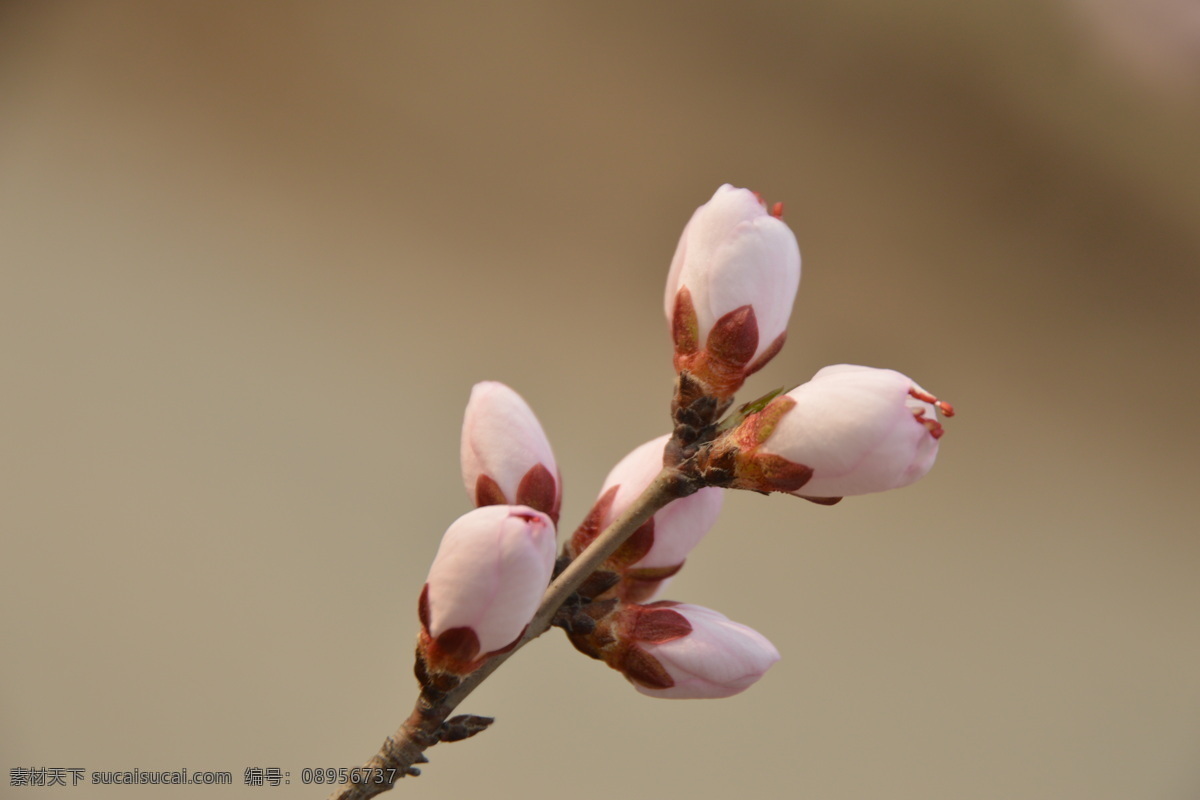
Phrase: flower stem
pixel 404 748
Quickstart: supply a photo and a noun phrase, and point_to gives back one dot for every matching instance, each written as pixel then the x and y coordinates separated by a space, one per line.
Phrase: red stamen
pixel 777 210
pixel 761 200
pixel 926 397
pixel 932 425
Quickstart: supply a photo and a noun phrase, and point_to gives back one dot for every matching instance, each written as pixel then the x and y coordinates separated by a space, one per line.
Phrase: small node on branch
pixel 574 622
pixel 597 584
pixel 573 615
pixel 434 685
pixel 694 412
pixel 713 469
pixel 463 726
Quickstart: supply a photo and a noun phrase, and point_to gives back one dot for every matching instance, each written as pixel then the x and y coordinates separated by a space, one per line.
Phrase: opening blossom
pixel 506 457
pixel 850 430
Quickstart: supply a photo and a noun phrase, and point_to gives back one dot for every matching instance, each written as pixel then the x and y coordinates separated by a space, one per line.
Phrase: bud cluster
pixel 850 430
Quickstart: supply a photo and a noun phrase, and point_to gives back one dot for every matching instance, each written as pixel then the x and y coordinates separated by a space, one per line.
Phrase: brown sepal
pixel 685 327
pixel 488 493
pixel 589 529
pixel 586 643
pixel 765 472
pixel 822 501
pixel 766 355
pixel 539 490
pixel 641 667
pixel 721 366
pixel 423 608
pixel 757 428
pixel 456 646
pixel 734 338
pixel 652 573
pixel 634 548
pixel 658 625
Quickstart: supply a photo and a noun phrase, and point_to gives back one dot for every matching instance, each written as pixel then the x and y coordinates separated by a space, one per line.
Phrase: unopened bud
pixel 730 290
pixel 682 651
pixel 486 581
pixel 506 458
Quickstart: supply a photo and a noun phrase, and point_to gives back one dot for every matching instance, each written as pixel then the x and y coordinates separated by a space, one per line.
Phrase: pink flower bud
pixel 850 430
pixel 681 651
pixel 486 581
pixel 730 291
pixel 658 548
pixel 506 458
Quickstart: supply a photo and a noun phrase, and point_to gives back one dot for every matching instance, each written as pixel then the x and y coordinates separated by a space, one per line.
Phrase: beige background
pixel 253 256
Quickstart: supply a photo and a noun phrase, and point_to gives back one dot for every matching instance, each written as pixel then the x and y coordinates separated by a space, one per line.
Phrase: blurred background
pixel 253 256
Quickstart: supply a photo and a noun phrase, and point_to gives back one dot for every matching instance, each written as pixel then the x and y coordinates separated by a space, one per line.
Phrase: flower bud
pixel 486 581
pixel 657 549
pixel 506 458
pixel 730 290
pixel 850 430
pixel 682 651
